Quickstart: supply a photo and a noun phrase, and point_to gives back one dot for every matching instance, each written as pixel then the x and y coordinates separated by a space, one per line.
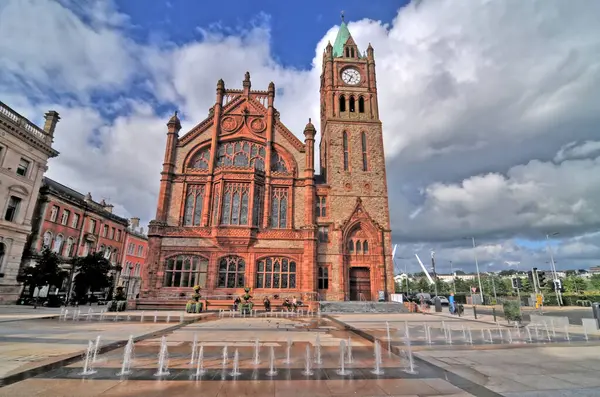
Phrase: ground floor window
pixel 231 272
pixel 186 271
pixel 323 277
pixel 276 273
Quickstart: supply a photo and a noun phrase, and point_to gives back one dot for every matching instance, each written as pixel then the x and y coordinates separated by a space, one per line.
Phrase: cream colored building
pixel 24 152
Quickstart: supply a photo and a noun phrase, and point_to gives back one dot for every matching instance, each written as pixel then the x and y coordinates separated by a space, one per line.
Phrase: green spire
pixel 342 36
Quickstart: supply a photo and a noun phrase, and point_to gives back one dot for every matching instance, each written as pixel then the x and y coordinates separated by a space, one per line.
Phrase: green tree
pixel 423 285
pixel 526 285
pixel 595 282
pixel 92 274
pixel 45 272
pixel 574 284
pixel 461 285
pixel 460 272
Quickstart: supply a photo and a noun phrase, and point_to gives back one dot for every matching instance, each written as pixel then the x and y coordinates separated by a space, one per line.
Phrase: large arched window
pixel 276 272
pixel 342 103
pixel 259 199
pixel 193 205
pixel 235 204
pixel 346 150
pixel 231 272
pixel 58 242
pixel 69 247
pixel 200 159
pixel 361 104
pixel 241 154
pixel 184 271
pixel 278 163
pixel 352 105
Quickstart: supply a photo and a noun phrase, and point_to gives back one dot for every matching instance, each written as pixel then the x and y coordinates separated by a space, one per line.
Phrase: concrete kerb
pixel 46 317
pixel 29 373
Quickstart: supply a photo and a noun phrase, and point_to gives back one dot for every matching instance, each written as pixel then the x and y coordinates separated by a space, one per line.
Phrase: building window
pixel 235 204
pixel 137 271
pixel 231 272
pixel 112 233
pixel 323 277
pixel 200 159
pixel 75 221
pixel 140 250
pixel 361 104
pixel 53 213
pixel 69 247
pixel 323 234
pixel 185 271
pixel 215 209
pixel 342 103
pixel 65 217
pixel 47 240
pixel 241 154
pixel 351 247
pixel 104 230
pixel 278 163
pixel 131 249
pixel 107 253
pixel 259 202
pixel 352 106
pixel 193 205
pixel 363 138
pixel 347 52
pixel 346 151
pixel 279 205
pixel 118 235
pixel 2 246
pixel 23 167
pixel 58 241
pixel 358 246
pixel 276 273
pixel 12 210
pixel 321 206
pixel 87 248
pixel 92 228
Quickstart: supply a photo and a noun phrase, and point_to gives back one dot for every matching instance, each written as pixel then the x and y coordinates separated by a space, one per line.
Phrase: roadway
pixel 574 314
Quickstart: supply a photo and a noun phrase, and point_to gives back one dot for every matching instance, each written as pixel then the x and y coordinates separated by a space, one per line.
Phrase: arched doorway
pixel 360 284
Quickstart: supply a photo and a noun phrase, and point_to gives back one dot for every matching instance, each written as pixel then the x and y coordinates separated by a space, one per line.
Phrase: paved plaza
pixel 420 355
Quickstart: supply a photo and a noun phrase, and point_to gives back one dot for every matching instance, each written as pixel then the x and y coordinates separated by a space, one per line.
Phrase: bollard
pixel 475 312
pixel 494 313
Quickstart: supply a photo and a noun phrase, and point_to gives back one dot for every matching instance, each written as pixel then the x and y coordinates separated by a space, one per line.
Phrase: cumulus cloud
pixel 490 110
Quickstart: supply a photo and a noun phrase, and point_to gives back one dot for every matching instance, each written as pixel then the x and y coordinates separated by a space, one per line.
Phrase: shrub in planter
pixel 512 311
pixel 119 302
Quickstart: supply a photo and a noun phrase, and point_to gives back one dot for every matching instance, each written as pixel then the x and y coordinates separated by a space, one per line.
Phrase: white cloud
pixel 477 101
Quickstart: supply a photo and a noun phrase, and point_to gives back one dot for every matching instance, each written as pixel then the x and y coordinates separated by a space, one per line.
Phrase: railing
pixel 8 113
pixel 303 296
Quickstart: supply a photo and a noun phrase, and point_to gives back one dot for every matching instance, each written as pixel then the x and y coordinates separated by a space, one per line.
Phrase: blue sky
pixel 295 26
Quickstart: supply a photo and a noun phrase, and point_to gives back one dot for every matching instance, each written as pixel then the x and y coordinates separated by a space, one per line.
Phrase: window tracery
pixel 279 204
pixel 201 159
pixel 275 272
pixel 231 272
pixel 193 205
pixel 278 163
pixel 184 271
pixel 241 154
pixel 235 204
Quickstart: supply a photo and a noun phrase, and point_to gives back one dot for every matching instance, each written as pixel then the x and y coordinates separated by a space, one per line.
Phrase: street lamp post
pixel 477 267
pixel 554 278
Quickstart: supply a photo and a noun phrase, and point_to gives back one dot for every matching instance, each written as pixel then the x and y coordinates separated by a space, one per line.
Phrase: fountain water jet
pixel 127 357
pixel 163 358
pixel 236 364
pixel 349 358
pixel 389 339
pixel 200 367
pixel 142 317
pixel 256 359
pixel 96 347
pixel 272 371
pixel 155 316
pixel 87 366
pixel 194 347
pixel 377 353
pixel 490 335
pixel 318 350
pixel 288 352
pixel 343 371
pixel 411 364
pixel 307 362
pixel 529 335
pixel 225 357
pixel 470 336
pixel 168 318
pixel 567 337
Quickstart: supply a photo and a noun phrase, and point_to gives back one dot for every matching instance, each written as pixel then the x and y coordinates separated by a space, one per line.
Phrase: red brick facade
pixel 240 204
pixel 133 265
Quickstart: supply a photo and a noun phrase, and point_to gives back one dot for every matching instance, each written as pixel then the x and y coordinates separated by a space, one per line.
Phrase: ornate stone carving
pixel 229 124
pixel 257 125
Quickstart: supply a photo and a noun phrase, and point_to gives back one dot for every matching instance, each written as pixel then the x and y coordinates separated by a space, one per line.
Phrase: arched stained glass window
pixel 259 200
pixel 231 272
pixel 184 271
pixel 193 205
pixel 278 163
pixel 201 159
pixel 279 204
pixel 241 154
pixel 275 272
pixel 235 204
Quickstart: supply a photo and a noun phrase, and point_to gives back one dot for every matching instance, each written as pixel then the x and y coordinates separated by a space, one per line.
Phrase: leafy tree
pixel 419 275
pixel 423 285
pixel 571 272
pixel 460 272
pixel 45 272
pixel 526 285
pixel 507 272
pixel 461 285
pixel 92 274
pixel 595 281
pixel 574 284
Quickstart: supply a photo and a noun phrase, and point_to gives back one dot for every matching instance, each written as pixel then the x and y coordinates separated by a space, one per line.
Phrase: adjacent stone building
pixel 240 204
pixel 24 153
pixel 134 258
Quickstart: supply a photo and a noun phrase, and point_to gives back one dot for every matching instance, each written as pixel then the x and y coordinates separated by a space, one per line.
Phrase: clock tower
pixel 353 185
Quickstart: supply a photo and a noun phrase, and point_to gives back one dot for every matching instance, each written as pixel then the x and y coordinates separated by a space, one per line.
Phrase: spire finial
pixel 343 16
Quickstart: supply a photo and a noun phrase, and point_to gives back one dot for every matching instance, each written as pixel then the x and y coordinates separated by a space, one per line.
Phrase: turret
pixel 166 180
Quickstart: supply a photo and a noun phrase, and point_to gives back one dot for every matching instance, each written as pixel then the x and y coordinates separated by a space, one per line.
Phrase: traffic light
pixel 542 279
pixel 558 285
pixel 516 283
pixel 530 277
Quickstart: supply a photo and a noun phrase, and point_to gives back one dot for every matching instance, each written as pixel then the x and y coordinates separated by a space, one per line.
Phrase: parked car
pixel 443 300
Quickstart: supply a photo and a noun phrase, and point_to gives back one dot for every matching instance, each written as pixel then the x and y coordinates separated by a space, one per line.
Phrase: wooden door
pixel 360 283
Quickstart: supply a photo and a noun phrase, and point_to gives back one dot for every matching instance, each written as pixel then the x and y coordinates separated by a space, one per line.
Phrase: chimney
pixel 88 197
pixel 51 119
pixel 134 223
pixel 141 230
pixel 108 208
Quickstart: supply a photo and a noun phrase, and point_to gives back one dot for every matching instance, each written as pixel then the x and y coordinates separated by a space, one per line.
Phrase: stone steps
pixel 362 307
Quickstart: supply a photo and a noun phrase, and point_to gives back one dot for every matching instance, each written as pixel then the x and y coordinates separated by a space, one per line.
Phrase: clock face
pixel 351 76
